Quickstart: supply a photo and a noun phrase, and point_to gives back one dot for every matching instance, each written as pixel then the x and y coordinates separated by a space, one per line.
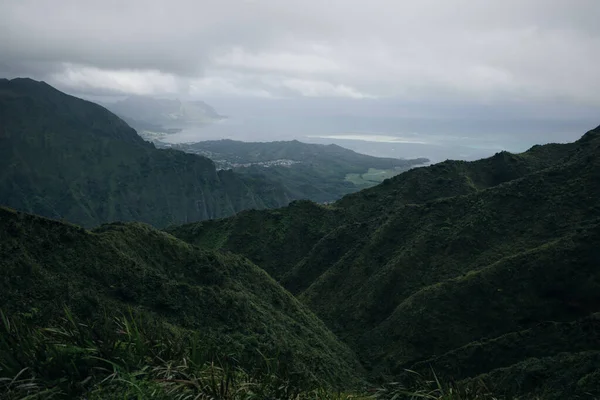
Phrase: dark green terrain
pixel 308 171
pixel 443 261
pixel 230 306
pixel 63 157
pixel 460 280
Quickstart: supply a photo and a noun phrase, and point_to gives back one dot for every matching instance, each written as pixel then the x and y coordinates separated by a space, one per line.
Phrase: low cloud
pixel 95 80
pixel 540 50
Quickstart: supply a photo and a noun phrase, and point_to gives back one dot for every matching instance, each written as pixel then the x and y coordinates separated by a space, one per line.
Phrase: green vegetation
pixel 67 158
pixel 462 280
pixel 127 357
pixel 276 239
pixel 308 171
pixel 132 274
pixel 443 261
pixel 372 176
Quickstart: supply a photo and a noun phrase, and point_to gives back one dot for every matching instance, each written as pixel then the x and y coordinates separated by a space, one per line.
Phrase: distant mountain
pixel 63 157
pixel 485 271
pixel 237 152
pixel 322 173
pixel 156 114
pixel 127 303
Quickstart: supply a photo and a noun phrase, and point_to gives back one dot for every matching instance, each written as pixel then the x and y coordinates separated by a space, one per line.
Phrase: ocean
pixel 436 139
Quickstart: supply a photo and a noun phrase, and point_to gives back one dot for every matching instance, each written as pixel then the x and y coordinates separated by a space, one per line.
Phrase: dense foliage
pixel 64 157
pixel 450 265
pixel 230 306
pixel 461 280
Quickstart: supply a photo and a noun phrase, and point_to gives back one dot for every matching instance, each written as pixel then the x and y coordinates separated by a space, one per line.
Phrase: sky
pixel 519 59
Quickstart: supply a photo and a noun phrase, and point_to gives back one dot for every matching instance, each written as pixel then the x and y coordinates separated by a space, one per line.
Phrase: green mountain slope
pixel 564 354
pixel 353 218
pixel 233 306
pixel 308 171
pixel 234 151
pixel 64 157
pixel 453 178
pixel 446 256
pixel 276 239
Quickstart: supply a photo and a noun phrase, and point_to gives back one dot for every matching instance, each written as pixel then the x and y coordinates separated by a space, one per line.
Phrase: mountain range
pixel 458 280
pixel 456 261
pixel 66 158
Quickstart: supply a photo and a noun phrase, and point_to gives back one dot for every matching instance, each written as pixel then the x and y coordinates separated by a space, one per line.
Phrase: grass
pixel 421 387
pixel 372 177
pixel 232 305
pixel 447 256
pixel 127 357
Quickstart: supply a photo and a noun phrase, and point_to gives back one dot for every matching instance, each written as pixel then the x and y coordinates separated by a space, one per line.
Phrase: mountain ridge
pixel 64 157
pixel 233 305
pixel 484 274
pixel 393 272
pixel 321 173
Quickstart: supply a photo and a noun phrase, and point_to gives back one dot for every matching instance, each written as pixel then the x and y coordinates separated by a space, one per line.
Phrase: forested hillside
pixel 460 280
pixel 66 158
pixel 127 299
pixel 498 256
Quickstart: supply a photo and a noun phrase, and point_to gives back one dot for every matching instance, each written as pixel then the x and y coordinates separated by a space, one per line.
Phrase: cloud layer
pixel 508 50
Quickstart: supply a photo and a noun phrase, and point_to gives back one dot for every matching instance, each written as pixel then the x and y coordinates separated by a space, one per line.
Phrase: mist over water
pixel 436 139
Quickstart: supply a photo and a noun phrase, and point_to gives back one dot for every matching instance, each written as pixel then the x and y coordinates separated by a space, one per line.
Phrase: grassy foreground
pixel 131 357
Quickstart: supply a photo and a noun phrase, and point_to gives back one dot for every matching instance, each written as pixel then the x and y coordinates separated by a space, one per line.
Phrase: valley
pixel 443 257
pixel 215 270
pixel 372 177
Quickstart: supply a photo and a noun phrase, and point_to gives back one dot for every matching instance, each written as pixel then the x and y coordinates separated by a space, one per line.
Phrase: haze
pixel 433 78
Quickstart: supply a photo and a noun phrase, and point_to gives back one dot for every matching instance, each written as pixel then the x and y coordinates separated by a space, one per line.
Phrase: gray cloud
pixel 510 50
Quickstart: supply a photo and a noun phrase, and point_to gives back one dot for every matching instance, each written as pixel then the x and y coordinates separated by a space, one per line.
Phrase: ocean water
pixel 436 139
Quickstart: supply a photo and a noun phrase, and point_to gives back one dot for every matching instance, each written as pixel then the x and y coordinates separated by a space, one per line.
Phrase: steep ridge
pixel 445 256
pixel 64 157
pixel 276 239
pixel 234 306
pixel 358 215
pixel 515 362
pixel 425 244
pixel 453 178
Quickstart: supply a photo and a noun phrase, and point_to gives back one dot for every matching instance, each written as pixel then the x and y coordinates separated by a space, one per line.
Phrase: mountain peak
pixel 52 110
pixel 591 135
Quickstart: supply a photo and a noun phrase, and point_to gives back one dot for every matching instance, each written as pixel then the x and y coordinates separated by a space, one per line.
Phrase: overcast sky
pixel 469 50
